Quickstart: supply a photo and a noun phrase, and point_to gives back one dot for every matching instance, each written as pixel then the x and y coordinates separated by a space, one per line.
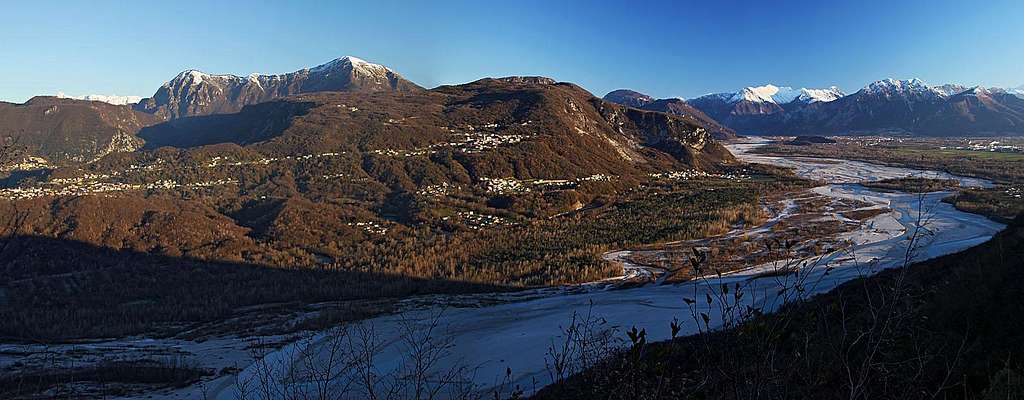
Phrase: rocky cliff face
pixel 673 106
pixel 193 93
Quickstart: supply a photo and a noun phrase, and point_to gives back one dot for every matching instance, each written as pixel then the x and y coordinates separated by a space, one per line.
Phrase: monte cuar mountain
pixel 900 107
pixel 194 93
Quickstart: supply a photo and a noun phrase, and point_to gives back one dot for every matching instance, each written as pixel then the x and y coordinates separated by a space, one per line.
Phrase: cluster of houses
pixel 470 140
pixel 988 145
pixel 84 186
pixel 372 227
pixel 688 174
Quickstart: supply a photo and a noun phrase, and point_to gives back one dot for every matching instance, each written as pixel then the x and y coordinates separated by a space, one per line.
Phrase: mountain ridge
pixel 902 106
pixel 193 92
pixel 53 131
pixel 306 123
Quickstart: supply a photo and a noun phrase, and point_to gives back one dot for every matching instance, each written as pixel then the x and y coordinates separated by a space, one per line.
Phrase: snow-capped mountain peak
pixel 193 77
pixel 193 92
pixel 890 86
pixel 356 64
pixel 760 94
pixel 888 83
pixel 785 94
pixel 913 87
pixel 978 90
pixel 1018 91
pixel 949 89
pixel 115 100
pixel 346 60
pixel 820 95
pixel 885 106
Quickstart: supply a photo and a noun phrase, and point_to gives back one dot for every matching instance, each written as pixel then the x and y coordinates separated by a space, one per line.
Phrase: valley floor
pixel 513 343
pixel 494 343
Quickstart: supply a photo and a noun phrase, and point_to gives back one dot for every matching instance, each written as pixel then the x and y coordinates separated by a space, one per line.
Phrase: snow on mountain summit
pixel 889 87
pixel 357 65
pixel 785 94
pixel 1018 91
pixel 888 105
pixel 756 94
pixel 949 89
pixel 192 76
pixel 897 83
pixel 115 100
pixel 912 87
pixel 193 92
pixel 820 95
pixel 346 60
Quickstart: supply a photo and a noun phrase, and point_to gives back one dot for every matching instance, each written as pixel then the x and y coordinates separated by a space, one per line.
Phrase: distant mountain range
pixel 726 113
pixel 193 92
pixel 886 106
pixel 1017 91
pixel 912 107
pixel 195 108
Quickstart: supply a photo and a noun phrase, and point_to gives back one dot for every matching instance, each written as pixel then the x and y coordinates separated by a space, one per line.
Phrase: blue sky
pixel 664 48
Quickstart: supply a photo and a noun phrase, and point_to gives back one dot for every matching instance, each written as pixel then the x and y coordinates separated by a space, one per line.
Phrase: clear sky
pixel 664 48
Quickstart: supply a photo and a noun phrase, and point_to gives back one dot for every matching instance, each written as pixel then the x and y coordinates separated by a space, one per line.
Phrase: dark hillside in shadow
pixel 255 123
pixel 52 290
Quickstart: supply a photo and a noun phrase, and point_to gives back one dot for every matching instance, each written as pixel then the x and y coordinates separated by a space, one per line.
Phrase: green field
pixel 976 154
